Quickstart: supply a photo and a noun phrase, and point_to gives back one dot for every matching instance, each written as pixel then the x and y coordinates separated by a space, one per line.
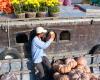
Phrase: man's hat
pixel 40 30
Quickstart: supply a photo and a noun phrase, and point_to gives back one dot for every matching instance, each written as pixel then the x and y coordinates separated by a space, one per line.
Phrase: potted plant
pixel 53 9
pixel 18 8
pixel 42 9
pixel 31 8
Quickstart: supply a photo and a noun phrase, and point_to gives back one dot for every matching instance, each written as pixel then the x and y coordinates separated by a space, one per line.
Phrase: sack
pixel 9 76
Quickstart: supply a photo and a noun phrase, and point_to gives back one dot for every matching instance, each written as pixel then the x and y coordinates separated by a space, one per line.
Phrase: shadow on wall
pixel 28 45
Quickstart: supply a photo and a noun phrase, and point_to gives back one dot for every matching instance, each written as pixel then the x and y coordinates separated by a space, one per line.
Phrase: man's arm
pixel 44 45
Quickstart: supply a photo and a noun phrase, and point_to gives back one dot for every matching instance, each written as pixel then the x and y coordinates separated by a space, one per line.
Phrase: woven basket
pixel 30 14
pixel 41 14
pixel 21 15
pixel 54 14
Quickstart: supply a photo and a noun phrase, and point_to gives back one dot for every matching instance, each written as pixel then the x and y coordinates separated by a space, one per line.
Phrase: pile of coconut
pixel 72 69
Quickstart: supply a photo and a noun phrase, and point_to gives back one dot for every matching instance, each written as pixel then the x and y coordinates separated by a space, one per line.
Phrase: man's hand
pixel 52 35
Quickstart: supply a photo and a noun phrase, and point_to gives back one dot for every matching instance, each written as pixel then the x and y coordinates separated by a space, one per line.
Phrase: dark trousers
pixel 44 68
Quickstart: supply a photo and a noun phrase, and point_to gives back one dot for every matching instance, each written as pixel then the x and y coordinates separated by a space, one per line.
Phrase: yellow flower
pixel 38 5
pixel 34 5
pixel 49 3
pixel 52 5
pixel 26 2
pixel 15 2
pixel 42 1
pixel 35 1
pixel 52 2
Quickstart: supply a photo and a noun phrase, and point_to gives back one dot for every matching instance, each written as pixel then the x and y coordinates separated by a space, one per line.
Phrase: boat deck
pixel 73 11
pixel 79 11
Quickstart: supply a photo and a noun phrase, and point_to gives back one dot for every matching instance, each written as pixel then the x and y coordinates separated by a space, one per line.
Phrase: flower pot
pixel 21 15
pixel 41 14
pixel 53 14
pixel 30 14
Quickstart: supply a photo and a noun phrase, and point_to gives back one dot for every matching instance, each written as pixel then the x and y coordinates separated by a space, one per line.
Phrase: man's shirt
pixel 37 49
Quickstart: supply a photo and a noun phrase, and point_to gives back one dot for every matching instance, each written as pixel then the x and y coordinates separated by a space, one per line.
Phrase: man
pixel 38 56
